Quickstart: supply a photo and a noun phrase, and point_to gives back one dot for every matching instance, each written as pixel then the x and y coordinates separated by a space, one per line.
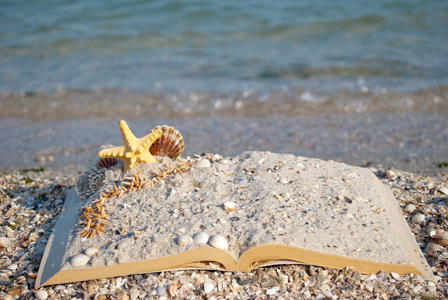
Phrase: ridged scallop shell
pixel 95 161
pixel 79 260
pixel 170 143
pixel 201 237
pixel 107 162
pixel 184 240
pixel 89 182
pixel 218 241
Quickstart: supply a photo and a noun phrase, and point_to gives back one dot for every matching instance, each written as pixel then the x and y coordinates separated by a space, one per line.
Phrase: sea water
pixel 222 46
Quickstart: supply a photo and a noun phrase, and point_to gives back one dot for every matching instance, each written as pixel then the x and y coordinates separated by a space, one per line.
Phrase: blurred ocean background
pixel 355 81
pixel 215 46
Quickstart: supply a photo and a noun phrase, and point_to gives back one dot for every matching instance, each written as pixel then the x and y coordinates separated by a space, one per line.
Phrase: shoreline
pixel 58 105
pixel 413 142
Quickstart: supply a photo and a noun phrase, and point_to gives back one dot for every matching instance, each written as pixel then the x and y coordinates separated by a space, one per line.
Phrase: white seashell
pixel 209 285
pixel 283 181
pixel 41 295
pixel 325 287
pixel 184 240
pixel 90 251
pixel 327 294
pixel 134 294
pixel 443 190
pixel 418 219
pixel 410 208
pixel 203 163
pixel 442 238
pixel 201 237
pixel 431 232
pixel 272 291
pixel 89 182
pixel 79 260
pixel 230 206
pixel 5 242
pixel 218 241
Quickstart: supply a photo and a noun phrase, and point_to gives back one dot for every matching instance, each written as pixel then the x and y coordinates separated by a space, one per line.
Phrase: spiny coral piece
pixel 169 144
pixel 181 167
pixel 134 150
pixel 94 219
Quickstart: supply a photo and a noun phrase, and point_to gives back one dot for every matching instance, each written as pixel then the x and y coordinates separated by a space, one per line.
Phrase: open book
pixel 291 210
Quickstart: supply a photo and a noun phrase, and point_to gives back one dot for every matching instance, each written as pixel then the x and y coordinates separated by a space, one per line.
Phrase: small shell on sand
pixel 283 181
pixel 184 240
pixel 218 241
pixel 5 242
pixel 410 208
pixel 79 260
pixel 170 143
pixel 201 237
pixel 41 295
pixel 209 285
pixel 443 190
pixel 203 163
pixel 442 238
pixel 90 251
pixel 230 206
pixel 107 162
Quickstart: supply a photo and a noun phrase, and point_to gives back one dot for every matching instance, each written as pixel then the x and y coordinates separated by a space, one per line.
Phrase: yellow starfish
pixel 134 150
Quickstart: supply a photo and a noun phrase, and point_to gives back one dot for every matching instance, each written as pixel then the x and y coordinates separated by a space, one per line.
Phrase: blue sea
pixel 222 46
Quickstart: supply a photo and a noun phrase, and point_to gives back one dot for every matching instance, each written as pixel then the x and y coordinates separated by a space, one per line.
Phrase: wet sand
pixel 415 142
